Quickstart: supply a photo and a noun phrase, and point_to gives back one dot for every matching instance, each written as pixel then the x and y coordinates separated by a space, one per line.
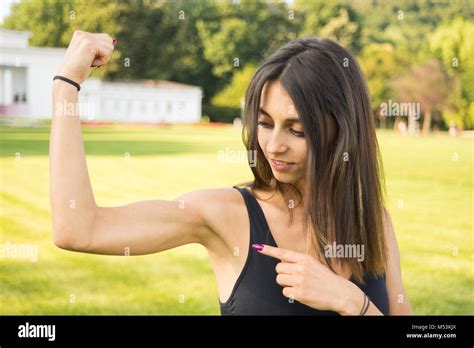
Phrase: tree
pixel 380 63
pixel 452 43
pixel 334 20
pixel 234 92
pixel 47 20
pixel 156 39
pixel 406 23
pixel 428 84
pixel 243 33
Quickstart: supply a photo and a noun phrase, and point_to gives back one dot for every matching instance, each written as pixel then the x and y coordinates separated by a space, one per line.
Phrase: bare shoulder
pixel 208 201
pixel 220 208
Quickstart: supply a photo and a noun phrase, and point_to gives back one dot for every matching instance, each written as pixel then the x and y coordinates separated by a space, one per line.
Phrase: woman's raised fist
pixel 86 50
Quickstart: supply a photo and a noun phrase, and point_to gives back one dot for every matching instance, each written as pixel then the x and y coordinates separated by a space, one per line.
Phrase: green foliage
pixel 225 114
pixel 453 44
pixel 221 47
pixel 407 23
pixel 160 41
pixel 417 31
pixel 47 20
pixel 334 20
pixel 380 63
pixel 243 32
pixel 232 95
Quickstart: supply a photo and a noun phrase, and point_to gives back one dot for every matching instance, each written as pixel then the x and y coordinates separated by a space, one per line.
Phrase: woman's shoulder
pixel 215 205
pixel 262 193
pixel 210 199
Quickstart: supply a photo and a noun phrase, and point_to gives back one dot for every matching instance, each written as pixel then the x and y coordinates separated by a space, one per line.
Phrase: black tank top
pixel 256 291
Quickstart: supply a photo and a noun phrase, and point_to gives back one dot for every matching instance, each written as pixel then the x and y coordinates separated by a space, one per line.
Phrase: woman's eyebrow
pixel 288 120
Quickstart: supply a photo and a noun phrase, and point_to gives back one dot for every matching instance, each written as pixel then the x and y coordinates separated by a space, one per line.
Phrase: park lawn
pixel 429 189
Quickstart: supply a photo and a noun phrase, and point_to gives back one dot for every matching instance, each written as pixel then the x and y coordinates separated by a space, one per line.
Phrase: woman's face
pixel 280 135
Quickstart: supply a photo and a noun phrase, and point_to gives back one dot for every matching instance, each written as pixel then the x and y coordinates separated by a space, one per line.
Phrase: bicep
pixel 399 303
pixel 149 226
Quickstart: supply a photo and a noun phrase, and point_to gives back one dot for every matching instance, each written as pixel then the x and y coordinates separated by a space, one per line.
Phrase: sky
pixel 5 8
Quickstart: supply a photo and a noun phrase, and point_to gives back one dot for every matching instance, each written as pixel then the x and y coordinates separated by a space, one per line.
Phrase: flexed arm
pixel 78 223
pixel 73 206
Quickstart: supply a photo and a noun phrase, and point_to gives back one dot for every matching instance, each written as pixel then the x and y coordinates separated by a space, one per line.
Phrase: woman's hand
pixel 307 280
pixel 85 50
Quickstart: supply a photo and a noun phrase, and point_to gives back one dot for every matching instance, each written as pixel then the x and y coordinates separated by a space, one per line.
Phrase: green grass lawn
pixel 429 188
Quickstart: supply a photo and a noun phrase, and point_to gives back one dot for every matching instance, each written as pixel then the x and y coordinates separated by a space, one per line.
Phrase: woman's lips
pixel 280 165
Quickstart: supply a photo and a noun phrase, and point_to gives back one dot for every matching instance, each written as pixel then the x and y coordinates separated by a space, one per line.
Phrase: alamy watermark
pixel 66 108
pixel 355 251
pixel 37 331
pixel 392 108
pixel 237 156
pixel 19 251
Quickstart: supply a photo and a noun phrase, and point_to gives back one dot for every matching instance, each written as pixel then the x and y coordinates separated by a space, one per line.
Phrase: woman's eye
pixel 292 131
pixel 263 124
pixel 297 133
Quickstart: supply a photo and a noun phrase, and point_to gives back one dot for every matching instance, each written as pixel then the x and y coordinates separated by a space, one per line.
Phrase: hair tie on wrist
pixel 366 305
pixel 65 79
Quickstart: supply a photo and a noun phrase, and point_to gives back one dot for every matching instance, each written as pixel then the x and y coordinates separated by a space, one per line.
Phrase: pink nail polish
pixel 259 247
pixel 114 42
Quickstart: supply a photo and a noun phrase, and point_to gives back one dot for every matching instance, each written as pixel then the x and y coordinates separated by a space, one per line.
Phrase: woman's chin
pixel 285 178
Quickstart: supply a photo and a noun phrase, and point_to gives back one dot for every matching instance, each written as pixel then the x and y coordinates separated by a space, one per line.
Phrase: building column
pixel 7 87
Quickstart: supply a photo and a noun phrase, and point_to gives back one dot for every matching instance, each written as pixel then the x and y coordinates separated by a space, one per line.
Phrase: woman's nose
pixel 276 144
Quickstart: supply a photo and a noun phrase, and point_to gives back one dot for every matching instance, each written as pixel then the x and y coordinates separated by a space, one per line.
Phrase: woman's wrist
pixel 63 85
pixel 71 73
pixel 352 300
pixel 69 81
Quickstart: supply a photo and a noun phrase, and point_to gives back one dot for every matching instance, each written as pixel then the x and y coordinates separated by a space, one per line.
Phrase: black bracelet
pixel 65 79
pixel 363 306
pixel 366 305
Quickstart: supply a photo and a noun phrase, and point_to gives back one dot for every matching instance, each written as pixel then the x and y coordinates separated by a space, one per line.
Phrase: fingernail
pixel 114 42
pixel 259 247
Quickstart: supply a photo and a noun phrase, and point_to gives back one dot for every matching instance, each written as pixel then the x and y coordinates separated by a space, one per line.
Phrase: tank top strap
pixel 259 229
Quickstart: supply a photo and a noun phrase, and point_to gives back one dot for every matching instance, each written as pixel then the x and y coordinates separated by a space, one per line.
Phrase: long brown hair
pixel 344 192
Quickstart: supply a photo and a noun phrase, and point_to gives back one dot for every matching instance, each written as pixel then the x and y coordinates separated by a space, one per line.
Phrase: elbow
pixel 61 241
pixel 64 239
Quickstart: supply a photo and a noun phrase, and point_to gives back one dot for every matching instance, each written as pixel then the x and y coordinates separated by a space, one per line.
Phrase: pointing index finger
pixel 279 253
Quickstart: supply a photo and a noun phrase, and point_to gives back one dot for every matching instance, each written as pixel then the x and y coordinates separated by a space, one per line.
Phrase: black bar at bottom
pixel 290 330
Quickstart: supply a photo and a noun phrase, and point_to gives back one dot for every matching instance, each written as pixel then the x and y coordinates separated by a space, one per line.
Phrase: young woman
pixel 308 236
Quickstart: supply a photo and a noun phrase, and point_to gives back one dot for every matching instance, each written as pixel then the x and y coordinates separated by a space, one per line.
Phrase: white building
pixel 26 81
pixel 140 101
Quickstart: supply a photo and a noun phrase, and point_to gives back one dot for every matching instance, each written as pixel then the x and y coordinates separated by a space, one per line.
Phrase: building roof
pixel 153 83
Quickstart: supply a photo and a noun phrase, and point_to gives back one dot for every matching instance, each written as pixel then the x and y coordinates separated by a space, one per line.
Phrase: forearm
pixel 73 205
